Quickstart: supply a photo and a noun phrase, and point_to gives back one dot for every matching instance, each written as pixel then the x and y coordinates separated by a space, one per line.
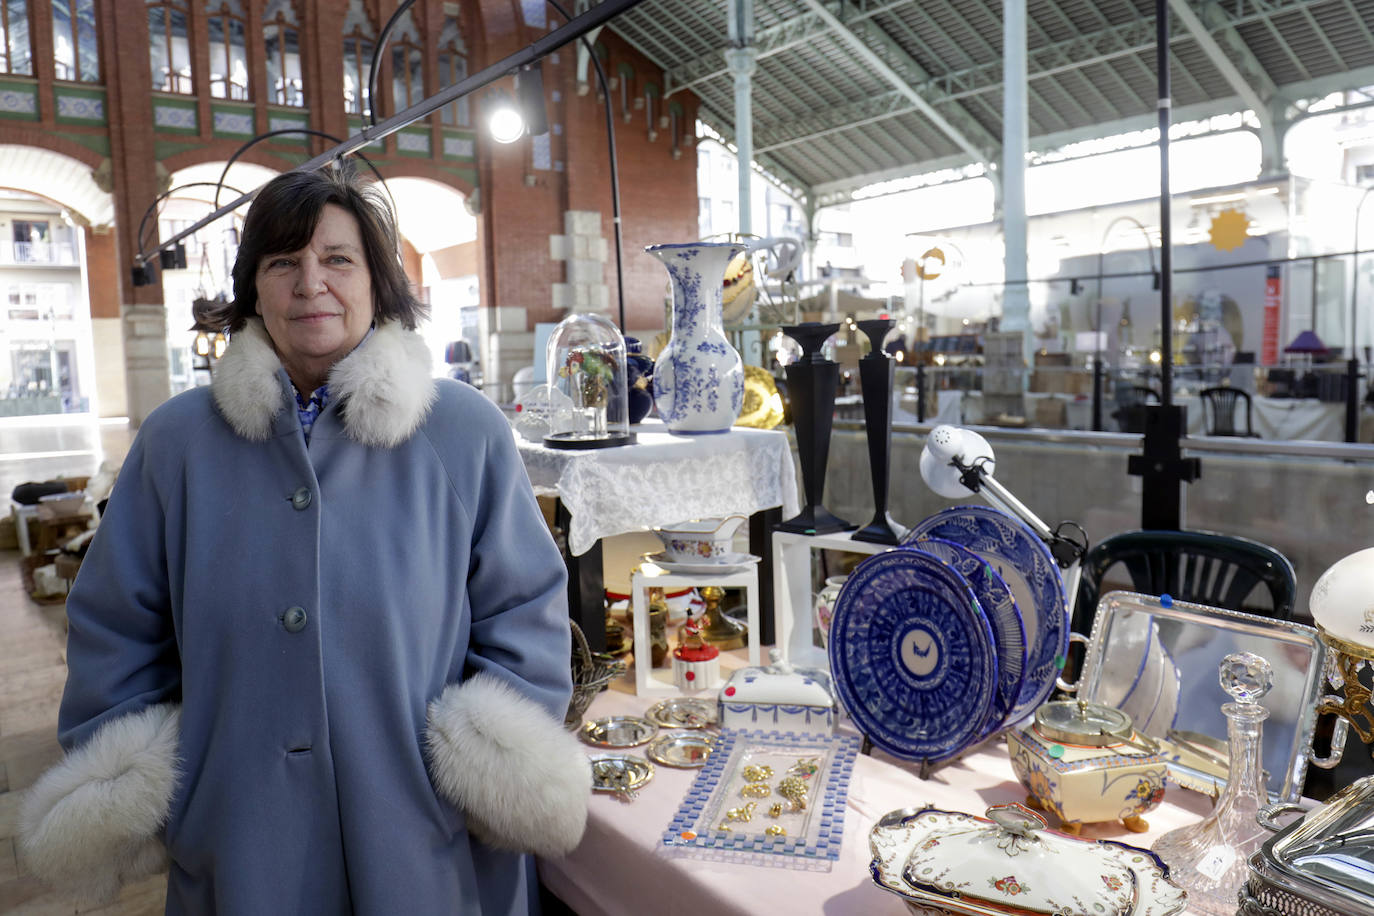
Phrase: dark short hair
pixel 283 218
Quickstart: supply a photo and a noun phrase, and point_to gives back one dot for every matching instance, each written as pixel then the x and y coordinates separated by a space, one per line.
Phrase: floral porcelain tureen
pixel 1086 763
pixel 1008 863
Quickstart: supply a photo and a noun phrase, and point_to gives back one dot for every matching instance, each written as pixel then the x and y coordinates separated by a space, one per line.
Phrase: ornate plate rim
pixel 711 705
pixel 1040 658
pixel 1014 618
pixel 587 728
pixel 654 750
pixel 932 751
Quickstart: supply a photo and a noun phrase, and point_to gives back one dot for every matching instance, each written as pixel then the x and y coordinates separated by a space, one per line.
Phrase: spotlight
pixel 529 88
pixel 1156 280
pixel 503 118
pixel 144 275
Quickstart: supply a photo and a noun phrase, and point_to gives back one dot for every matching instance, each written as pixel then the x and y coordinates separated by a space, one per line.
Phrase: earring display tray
pixel 716 814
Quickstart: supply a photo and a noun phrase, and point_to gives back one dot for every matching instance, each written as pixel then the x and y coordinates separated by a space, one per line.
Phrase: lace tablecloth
pixel 663 479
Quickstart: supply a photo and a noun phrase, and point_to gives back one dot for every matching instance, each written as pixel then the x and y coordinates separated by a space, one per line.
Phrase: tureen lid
pixel 1333 846
pixel 1005 863
pixel 1081 722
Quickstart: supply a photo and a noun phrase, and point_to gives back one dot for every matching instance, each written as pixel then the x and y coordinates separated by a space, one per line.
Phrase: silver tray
pixel 617 731
pixel 684 712
pixel 620 774
pixel 684 750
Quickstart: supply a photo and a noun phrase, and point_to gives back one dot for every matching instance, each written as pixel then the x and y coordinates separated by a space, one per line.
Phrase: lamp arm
pixel 1066 551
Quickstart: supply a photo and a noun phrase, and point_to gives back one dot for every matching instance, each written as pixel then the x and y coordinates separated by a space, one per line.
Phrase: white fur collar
pixel 384 387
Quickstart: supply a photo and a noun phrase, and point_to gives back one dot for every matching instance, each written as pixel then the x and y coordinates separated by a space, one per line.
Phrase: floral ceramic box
pixel 1087 763
pixel 778 698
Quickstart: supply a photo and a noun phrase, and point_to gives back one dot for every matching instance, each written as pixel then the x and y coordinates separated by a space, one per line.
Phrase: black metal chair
pixel 1219 411
pixel 1202 567
pixel 1131 401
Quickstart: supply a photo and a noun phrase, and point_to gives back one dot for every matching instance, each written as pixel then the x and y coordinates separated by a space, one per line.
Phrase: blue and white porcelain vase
pixel 699 377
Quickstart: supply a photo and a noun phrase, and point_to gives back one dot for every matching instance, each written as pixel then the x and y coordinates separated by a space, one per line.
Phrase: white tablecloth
pixel 622 868
pixel 664 478
pixel 1278 418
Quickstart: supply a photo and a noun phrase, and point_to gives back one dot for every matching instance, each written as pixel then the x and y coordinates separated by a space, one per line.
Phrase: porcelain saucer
pixel 726 563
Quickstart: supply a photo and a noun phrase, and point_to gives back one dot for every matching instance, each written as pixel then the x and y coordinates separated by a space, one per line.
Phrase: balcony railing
pixel 60 253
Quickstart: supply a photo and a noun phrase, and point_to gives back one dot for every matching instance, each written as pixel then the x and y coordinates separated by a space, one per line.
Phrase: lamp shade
pixel 943 446
pixel 1306 342
pixel 1342 601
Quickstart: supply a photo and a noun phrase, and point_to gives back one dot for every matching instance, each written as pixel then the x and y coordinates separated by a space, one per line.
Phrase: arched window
pixel 228 49
pixel 407 64
pixel 73 40
pixel 169 46
pixel 282 42
pixel 15 53
pixel 359 42
pixel 453 67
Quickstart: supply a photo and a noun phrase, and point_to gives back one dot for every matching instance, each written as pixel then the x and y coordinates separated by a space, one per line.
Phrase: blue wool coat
pixel 304 603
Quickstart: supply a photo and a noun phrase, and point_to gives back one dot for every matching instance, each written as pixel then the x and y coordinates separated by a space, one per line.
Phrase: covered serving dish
pixel 1087 763
pixel 1321 865
pixel 1007 863
pixel 778 698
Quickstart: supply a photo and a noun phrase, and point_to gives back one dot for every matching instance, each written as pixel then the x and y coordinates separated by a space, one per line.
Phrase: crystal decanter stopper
pixel 1208 859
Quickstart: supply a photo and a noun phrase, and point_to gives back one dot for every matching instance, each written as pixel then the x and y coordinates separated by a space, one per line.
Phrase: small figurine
pixel 696 663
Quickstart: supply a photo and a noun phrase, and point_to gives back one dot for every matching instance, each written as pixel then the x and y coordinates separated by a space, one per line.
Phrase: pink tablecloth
pixel 622 868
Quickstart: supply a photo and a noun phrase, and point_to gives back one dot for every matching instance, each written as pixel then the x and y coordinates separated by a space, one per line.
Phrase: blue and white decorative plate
pixel 1028 568
pixel 913 656
pixel 997 602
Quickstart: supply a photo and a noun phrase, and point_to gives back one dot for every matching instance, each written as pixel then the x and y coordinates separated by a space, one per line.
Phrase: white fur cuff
pixel 522 781
pixel 90 824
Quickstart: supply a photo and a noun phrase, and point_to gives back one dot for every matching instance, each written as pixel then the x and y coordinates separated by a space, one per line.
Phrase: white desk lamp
pixel 956 462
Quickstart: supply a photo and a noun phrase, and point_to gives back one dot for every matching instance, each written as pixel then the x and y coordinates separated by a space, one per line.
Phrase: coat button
pixel 301 498
pixel 294 619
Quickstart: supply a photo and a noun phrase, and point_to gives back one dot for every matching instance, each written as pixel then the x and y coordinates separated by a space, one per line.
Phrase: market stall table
pixel 622 867
pixel 660 480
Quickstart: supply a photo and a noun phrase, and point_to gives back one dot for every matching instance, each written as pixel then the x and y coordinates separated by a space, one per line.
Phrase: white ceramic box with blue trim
pixel 778 698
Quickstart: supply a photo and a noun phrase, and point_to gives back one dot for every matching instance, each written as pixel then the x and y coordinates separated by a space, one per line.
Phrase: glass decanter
pixel 1208 859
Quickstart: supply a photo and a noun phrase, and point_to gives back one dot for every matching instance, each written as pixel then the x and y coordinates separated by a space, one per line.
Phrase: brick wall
pixel 522 206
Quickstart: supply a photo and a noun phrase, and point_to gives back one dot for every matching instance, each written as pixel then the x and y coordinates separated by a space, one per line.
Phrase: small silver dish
pixel 684 712
pixel 684 750
pixel 620 774
pixel 617 731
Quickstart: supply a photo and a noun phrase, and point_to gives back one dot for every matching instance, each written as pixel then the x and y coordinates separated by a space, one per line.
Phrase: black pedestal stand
pixel 811 384
pixel 875 377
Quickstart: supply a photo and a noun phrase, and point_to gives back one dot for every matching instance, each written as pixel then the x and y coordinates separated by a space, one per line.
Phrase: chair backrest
pixel 1219 410
pixel 1144 393
pixel 1219 570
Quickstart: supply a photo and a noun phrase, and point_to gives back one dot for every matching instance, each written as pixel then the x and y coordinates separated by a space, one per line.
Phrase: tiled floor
pixel 32 662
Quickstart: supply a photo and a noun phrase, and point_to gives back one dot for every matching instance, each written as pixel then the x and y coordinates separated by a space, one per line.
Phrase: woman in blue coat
pixel 318 649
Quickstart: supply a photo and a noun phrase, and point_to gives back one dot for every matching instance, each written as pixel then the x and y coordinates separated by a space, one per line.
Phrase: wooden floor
pixel 33 663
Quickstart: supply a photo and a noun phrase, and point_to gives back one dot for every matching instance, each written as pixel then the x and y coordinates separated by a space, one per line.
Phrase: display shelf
pixel 792 608
pixel 648 681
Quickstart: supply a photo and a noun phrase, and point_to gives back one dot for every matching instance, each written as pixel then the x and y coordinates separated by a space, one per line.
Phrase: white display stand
pixel 647 680
pixel 792 596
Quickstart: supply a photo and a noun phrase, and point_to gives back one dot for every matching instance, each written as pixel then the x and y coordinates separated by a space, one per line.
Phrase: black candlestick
pixel 811 384
pixel 875 377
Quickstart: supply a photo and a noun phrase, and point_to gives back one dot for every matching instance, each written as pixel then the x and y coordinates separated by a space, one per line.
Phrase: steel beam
pixel 884 69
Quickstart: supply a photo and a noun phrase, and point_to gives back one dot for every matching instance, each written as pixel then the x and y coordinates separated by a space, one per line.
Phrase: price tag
pixel 1216 862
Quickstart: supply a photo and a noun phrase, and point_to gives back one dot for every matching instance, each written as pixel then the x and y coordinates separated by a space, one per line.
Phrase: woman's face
pixel 317 302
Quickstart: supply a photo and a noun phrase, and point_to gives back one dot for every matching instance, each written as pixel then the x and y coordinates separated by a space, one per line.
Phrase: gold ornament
pixel 776 830
pixel 1228 229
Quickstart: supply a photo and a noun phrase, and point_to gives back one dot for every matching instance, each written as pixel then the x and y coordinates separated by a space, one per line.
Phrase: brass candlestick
pixel 719 630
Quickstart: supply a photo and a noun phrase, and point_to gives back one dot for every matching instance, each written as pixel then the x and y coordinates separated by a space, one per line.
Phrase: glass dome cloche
pixel 586 362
